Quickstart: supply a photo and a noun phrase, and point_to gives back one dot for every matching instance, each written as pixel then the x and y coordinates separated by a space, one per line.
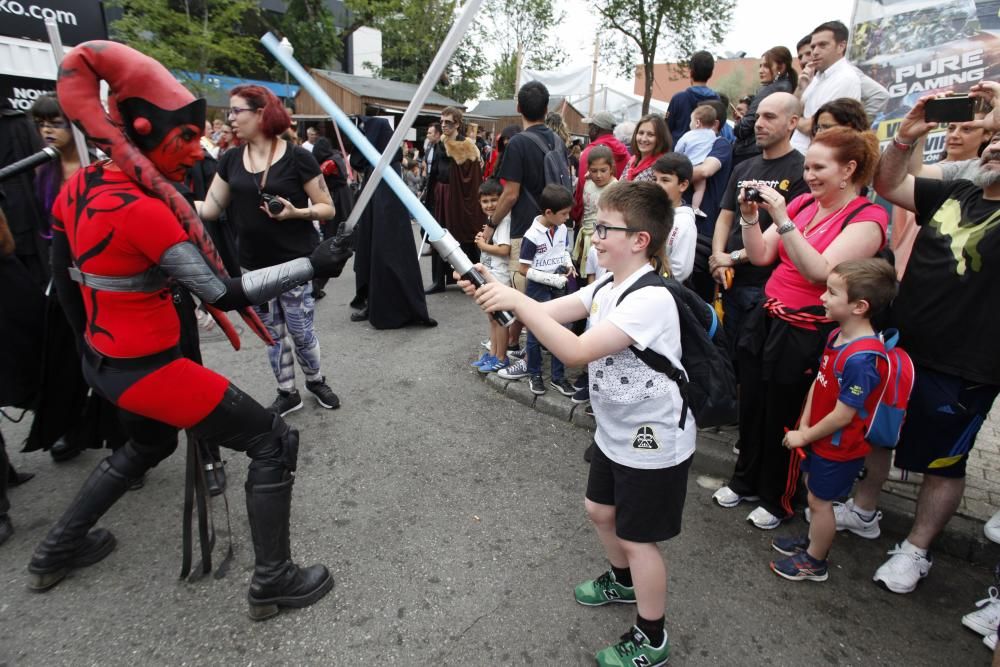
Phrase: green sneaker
pixel 634 649
pixel 603 590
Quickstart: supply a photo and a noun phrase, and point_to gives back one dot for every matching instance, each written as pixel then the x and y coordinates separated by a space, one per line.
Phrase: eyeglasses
pixel 602 230
pixel 58 124
pixel 235 111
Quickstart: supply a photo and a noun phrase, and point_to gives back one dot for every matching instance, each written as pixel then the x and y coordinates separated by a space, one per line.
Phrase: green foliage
pixel 673 28
pixel 734 85
pixel 518 26
pixel 197 36
pixel 309 26
pixel 412 33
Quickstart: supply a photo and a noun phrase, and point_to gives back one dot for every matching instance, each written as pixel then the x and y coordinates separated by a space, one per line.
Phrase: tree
pixel 641 22
pixel 193 36
pixel 412 33
pixel 518 28
pixel 308 25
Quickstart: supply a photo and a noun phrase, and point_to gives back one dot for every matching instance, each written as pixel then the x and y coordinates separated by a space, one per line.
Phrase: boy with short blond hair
pixel 831 423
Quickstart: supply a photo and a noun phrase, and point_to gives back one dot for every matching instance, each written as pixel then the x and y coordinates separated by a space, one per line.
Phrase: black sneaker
pixel 582 395
pixel 563 386
pixel 589 410
pixel 287 401
pixel 582 381
pixel 324 395
pixel 536 385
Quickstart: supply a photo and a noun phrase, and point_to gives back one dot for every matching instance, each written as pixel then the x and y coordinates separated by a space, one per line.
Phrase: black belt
pixel 162 358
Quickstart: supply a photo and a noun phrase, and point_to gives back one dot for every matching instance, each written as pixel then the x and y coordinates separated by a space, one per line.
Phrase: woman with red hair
pixel 779 348
pixel 274 191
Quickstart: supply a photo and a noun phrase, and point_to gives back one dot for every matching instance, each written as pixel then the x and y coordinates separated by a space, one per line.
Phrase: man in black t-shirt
pixel 780 166
pixel 522 169
pixel 946 313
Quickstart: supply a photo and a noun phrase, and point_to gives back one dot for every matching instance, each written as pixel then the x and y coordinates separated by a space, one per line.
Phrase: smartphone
pixel 951 109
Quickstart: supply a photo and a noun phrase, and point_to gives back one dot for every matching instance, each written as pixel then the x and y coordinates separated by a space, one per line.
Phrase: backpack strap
pixel 654 359
pixel 853 214
pixel 538 141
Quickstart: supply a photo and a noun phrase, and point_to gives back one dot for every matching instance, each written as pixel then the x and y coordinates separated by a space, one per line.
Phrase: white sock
pixel 909 546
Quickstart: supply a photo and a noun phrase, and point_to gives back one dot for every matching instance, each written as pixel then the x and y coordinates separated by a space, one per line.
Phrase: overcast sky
pixel 757 26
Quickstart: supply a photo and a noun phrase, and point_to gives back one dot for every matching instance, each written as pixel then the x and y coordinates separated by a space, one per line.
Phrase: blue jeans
pixel 542 293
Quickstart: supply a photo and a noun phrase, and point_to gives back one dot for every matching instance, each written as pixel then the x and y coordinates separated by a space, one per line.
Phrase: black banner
pixel 78 20
pixel 20 92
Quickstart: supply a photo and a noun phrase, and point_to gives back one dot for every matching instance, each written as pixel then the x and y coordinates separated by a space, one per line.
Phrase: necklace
pixel 829 221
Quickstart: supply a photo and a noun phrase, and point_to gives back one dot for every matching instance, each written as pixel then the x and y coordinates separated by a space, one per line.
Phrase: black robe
pixel 385 263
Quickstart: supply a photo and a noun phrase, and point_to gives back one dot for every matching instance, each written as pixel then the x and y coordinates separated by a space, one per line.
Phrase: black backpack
pixel 556 163
pixel 709 386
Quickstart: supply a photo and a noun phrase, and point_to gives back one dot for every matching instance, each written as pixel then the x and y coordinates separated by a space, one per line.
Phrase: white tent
pixel 623 106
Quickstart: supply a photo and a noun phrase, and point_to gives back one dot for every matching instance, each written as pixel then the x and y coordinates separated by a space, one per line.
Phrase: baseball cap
pixel 602 119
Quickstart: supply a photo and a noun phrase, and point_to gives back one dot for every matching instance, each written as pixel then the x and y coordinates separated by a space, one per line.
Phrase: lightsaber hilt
pixel 47 154
pixel 450 251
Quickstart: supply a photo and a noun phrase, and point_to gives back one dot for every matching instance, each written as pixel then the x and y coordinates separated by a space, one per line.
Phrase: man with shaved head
pixel 780 166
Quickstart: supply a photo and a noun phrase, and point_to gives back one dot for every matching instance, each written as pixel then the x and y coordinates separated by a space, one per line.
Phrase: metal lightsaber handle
pixel 47 154
pixel 440 238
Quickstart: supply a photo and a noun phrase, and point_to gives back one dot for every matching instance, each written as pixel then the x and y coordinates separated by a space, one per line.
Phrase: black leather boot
pixel 277 581
pixel 71 544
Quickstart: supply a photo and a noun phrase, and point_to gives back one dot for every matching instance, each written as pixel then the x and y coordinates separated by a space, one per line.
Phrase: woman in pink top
pixel 779 348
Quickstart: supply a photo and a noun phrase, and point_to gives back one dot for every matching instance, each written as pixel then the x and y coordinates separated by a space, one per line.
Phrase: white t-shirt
pixel 593 267
pixel 697 144
pixel 681 243
pixel 544 248
pixel 637 408
pixel 838 80
pixel 497 264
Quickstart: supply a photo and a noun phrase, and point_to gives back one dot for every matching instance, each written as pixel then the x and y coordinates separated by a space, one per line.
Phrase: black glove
pixel 331 255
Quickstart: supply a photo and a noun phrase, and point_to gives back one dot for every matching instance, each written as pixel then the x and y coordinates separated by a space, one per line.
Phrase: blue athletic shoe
pixel 790 546
pixel 487 363
pixel 800 567
pixel 479 362
pixel 496 366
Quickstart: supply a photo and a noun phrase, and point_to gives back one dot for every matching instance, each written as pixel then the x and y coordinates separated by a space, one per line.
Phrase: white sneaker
pixel 485 343
pixel 903 570
pixel 848 518
pixel 992 528
pixel 726 497
pixel 991 641
pixel 986 618
pixel 515 371
pixel 763 519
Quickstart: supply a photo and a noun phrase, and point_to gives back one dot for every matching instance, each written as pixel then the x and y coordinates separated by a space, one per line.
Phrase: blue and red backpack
pixel 896 373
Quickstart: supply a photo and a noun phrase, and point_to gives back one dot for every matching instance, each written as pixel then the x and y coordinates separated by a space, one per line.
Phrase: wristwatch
pixel 786 227
pixel 736 256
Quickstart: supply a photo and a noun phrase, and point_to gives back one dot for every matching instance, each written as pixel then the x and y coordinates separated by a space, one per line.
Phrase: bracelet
pixel 901 145
pixel 748 223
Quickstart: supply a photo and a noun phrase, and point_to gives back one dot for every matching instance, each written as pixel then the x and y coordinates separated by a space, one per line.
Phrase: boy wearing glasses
pixel 638 472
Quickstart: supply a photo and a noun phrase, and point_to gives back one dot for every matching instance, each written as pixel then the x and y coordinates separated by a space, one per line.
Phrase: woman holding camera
pixel 783 337
pixel 273 191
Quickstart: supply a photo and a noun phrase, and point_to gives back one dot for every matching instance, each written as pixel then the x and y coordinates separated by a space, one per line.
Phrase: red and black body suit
pixel 121 233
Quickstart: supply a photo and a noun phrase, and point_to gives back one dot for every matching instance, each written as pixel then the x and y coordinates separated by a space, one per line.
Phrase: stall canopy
pixel 215 87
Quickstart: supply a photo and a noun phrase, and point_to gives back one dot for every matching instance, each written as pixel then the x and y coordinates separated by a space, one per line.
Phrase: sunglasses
pixel 602 230
pixel 447 123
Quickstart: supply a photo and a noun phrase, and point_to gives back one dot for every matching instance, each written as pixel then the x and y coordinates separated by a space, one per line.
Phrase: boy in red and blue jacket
pixel 832 421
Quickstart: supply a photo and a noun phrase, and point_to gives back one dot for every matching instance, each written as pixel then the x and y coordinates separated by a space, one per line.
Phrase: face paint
pixel 178 152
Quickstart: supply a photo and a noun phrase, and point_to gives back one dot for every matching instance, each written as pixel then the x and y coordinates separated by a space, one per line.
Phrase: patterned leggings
pixel 289 320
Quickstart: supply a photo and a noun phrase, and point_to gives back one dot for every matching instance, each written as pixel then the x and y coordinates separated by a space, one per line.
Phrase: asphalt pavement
pixel 452 519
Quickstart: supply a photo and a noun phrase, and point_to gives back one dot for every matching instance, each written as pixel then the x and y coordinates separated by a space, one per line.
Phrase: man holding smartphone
pixel 953 278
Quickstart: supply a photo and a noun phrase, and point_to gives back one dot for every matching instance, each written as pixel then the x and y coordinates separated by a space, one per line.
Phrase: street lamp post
pixel 286 47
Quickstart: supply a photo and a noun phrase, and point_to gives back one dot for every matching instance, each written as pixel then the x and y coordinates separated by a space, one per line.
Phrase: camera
pixel 752 194
pixel 273 204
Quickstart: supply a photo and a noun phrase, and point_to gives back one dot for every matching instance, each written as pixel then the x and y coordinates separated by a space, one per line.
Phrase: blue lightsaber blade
pixel 442 240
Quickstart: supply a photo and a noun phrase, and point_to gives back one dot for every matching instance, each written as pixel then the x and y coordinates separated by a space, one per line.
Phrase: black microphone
pixel 47 154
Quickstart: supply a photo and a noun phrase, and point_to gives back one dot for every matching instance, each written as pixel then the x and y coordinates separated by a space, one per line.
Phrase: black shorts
pixel 943 418
pixel 648 503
